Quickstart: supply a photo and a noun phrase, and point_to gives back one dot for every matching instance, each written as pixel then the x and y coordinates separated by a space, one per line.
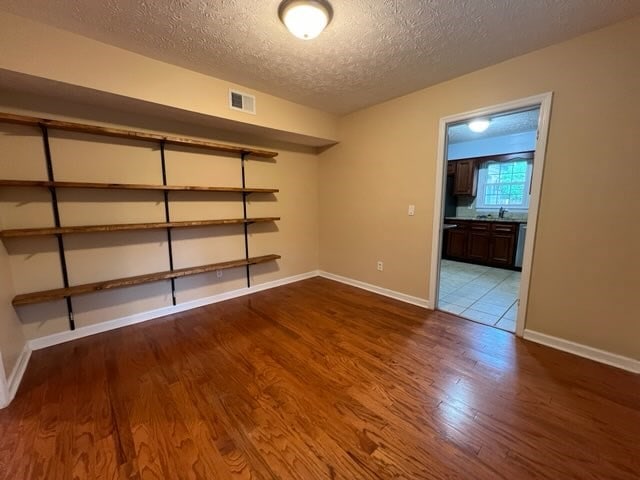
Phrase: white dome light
pixel 479 125
pixel 306 19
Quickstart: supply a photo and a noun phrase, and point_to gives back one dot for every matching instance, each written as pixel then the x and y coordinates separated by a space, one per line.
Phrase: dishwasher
pixel 522 234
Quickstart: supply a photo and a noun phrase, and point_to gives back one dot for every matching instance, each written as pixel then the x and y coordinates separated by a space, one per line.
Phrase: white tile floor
pixel 484 294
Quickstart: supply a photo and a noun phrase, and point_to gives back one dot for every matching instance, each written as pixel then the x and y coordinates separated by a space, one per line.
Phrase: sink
pixel 490 218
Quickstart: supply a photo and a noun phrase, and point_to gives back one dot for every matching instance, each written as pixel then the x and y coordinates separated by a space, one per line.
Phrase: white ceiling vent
pixel 243 102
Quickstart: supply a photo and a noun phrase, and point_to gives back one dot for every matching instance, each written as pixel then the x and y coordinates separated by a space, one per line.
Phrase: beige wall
pixel 586 263
pixel 34 262
pixel 36 49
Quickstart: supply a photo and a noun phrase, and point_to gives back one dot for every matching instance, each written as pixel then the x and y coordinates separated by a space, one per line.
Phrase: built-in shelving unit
pixel 60 293
pixel 131 186
pixel 59 231
pixel 132 135
pixel 38 232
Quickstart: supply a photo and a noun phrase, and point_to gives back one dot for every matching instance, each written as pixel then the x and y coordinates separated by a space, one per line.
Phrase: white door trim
pixel 544 102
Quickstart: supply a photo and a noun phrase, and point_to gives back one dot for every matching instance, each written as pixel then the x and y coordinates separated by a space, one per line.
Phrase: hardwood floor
pixel 318 380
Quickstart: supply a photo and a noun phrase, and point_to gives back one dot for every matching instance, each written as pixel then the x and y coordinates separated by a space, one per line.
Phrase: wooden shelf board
pixel 38 232
pixel 60 293
pixel 130 186
pixel 133 135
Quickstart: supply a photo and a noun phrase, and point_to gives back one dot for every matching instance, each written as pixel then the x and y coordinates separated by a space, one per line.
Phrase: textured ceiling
pixel 372 51
pixel 509 124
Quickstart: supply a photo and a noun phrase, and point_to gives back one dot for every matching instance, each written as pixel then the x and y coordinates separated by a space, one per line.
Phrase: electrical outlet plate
pixel 412 210
pixel 380 266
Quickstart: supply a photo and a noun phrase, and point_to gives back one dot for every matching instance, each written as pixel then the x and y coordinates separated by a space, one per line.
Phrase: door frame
pixel 543 101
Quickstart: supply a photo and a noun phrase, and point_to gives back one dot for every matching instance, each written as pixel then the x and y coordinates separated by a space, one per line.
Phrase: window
pixel 504 184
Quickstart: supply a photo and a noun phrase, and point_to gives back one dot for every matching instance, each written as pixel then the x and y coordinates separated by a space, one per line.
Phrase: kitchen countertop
pixel 488 219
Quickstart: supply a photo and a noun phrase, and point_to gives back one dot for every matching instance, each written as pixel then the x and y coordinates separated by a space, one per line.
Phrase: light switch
pixel 412 210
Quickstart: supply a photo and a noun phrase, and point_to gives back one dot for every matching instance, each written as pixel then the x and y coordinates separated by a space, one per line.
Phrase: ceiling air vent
pixel 242 101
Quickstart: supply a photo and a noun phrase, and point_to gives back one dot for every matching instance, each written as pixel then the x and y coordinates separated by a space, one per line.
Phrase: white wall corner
pixel 9 387
pixel 585 351
pixel 403 297
pixel 4 389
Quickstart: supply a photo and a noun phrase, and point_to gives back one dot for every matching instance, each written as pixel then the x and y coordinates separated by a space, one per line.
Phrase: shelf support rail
pixel 56 219
pixel 244 211
pixel 167 219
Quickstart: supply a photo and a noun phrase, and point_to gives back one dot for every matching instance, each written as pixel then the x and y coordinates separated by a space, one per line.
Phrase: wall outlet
pixel 380 266
pixel 412 210
pixel 219 273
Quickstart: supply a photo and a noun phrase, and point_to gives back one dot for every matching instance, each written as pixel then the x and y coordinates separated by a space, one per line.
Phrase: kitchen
pixel 486 200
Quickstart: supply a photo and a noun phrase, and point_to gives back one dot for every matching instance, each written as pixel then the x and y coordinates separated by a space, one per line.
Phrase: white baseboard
pixel 585 351
pixel 10 388
pixel 421 302
pixel 57 338
pixel 4 389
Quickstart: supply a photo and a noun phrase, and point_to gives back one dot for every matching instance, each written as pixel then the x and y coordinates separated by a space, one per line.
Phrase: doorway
pixel 490 164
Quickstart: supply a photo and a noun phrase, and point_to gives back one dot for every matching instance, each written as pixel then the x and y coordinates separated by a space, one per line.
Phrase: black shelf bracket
pixel 56 219
pixel 244 213
pixel 167 217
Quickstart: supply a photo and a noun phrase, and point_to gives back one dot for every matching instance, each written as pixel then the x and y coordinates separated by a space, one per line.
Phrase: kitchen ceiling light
pixel 306 19
pixel 479 125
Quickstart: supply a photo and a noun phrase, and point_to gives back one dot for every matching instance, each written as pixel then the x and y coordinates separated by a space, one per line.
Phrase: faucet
pixel 501 212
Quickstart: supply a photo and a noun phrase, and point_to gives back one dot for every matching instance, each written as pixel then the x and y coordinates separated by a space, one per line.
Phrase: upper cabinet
pixel 465 177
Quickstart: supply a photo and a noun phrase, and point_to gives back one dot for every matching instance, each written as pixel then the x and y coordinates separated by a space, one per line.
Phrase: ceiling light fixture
pixel 306 19
pixel 479 125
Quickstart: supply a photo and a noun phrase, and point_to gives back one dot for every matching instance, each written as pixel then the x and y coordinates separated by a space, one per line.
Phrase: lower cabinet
pixel 455 240
pixel 456 243
pixel 486 243
pixel 479 242
pixel 503 244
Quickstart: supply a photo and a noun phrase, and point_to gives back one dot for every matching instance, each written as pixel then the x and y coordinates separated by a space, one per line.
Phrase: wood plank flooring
pixel 318 380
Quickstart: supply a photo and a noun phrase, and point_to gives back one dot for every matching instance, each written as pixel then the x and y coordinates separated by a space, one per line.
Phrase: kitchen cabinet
pixel 503 244
pixel 483 242
pixel 465 171
pixel 479 242
pixel 456 241
pixel 451 168
pixel 466 178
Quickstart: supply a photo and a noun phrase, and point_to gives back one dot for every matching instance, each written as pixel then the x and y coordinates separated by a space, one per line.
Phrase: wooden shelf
pixel 60 293
pixel 133 135
pixel 159 142
pixel 130 186
pixel 37 232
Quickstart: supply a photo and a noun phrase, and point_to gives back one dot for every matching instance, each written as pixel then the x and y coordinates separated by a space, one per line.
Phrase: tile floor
pixel 484 294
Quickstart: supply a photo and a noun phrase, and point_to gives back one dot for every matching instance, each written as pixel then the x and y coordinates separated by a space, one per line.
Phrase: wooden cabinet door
pixel 479 240
pixel 466 178
pixel 503 243
pixel 451 168
pixel 457 243
pixel 502 249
